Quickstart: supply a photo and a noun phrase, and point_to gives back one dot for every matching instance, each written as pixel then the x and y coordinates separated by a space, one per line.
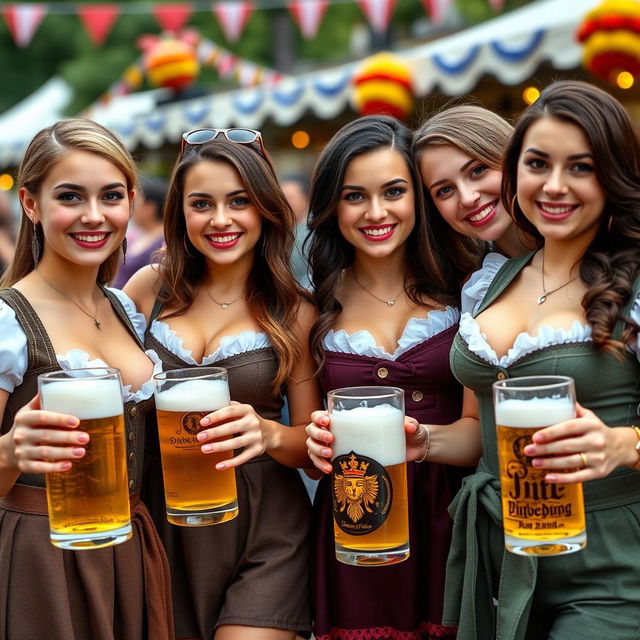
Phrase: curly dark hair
pixel 330 253
pixel 612 261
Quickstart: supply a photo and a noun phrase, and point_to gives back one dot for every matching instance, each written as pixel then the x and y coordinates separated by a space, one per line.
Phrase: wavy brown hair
pixel 479 133
pixel 612 262
pixel 46 148
pixel 330 253
pixel 271 293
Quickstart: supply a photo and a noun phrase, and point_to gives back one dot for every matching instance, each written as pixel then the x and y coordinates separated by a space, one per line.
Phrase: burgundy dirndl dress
pixel 401 601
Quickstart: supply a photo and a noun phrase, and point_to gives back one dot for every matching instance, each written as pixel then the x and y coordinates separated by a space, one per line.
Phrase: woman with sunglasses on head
pixel 224 295
pixel 572 173
pixel 387 318
pixel 76 187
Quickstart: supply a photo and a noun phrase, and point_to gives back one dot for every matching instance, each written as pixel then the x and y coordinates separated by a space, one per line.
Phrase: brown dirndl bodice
pixel 119 592
pixel 253 570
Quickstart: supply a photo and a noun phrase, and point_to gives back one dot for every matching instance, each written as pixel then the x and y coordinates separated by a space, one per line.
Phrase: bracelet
pixel 637 430
pixel 428 443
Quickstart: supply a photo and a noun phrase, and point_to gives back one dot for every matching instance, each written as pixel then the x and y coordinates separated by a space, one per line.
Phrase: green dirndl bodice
pixel 489 591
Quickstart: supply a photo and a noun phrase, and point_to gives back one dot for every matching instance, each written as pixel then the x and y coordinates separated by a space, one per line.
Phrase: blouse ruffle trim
pixel 138 320
pixel 13 349
pixel 229 345
pixel 416 331
pixel 77 359
pixel 475 288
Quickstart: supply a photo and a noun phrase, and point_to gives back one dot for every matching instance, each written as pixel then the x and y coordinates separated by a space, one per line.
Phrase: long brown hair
pixel 272 293
pixel 612 262
pixel 330 253
pixel 479 133
pixel 46 148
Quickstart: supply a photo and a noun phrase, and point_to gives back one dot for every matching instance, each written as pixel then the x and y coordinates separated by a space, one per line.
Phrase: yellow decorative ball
pixel 171 63
pixel 383 85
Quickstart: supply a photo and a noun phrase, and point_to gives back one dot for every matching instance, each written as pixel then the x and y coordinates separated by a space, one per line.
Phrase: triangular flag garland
pixel 98 20
pixel 308 15
pixel 496 5
pixel 437 9
pixel 233 17
pixel 171 16
pixel 23 21
pixel 378 12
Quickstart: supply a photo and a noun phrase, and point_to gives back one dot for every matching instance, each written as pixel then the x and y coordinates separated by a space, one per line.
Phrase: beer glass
pixel 89 504
pixel 196 493
pixel 369 478
pixel 540 518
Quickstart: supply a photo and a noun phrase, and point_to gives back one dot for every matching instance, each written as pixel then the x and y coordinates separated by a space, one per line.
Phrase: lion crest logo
pixel 354 490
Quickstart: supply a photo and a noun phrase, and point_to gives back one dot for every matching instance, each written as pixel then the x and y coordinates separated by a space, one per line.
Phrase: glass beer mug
pixel 369 478
pixel 540 518
pixel 196 493
pixel 89 504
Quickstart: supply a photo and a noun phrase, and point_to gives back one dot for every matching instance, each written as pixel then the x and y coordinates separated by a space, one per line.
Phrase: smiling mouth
pixel 378 233
pixel 556 209
pixel 85 238
pixel 482 216
pixel 225 240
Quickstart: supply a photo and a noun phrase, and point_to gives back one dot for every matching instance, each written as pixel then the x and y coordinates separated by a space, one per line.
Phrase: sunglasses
pixel 240 136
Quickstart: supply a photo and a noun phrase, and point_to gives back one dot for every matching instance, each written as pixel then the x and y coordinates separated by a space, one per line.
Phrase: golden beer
pixel 89 504
pixel 196 493
pixel 539 517
pixel 369 479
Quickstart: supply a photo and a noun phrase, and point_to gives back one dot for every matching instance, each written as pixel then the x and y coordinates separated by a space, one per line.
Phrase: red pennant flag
pixel 436 9
pixel 496 5
pixel 233 17
pixel 23 21
pixel 378 12
pixel 172 17
pixel 308 14
pixel 98 20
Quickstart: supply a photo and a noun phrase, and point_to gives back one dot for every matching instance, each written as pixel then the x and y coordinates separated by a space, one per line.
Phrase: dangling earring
pixel 609 223
pixel 36 247
pixel 184 242
pixel 124 251
pixel 513 204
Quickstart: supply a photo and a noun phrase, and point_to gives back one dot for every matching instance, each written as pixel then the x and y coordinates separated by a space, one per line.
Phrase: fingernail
pixel 220 466
pixel 326 452
pixel 327 437
pixel 207 448
pixel 536 463
pixel 82 438
pixel 77 452
pixel 72 422
pixel 65 466
pixel 550 477
pixel 529 450
pixel 205 421
pixel 202 436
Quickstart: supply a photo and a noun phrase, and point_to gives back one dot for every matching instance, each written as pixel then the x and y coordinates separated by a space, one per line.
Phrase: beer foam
pixel 84 398
pixel 194 395
pixel 537 412
pixel 376 432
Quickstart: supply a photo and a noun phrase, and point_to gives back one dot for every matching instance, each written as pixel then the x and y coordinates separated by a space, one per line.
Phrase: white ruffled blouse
pixel 13 351
pixel 229 345
pixel 416 331
pixel 474 292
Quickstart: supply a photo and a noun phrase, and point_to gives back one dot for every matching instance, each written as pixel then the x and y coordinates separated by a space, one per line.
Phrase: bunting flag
pixel 308 15
pixel 23 21
pixel 378 13
pixel 98 20
pixel 496 5
pixel 172 17
pixel 437 9
pixel 233 17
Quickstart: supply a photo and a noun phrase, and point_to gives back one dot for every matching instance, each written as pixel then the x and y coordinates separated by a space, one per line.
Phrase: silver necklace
pixel 545 293
pixel 223 305
pixel 94 317
pixel 389 303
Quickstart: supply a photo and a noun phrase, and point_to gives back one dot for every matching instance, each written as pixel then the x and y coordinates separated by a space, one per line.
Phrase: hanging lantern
pixel 170 62
pixel 383 85
pixel 611 38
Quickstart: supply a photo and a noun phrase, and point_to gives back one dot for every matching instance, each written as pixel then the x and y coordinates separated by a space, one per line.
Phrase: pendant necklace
pixel 545 293
pixel 223 305
pixel 389 303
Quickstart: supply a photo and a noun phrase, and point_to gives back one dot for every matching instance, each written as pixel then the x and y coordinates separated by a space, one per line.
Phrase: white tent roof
pixel 510 47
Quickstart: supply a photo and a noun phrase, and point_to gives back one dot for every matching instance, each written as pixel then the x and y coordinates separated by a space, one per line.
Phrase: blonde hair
pixel 45 149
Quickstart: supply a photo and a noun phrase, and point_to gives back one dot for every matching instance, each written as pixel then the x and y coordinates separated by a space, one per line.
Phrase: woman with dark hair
pixel 387 317
pixel 224 294
pixel 76 187
pixel 572 179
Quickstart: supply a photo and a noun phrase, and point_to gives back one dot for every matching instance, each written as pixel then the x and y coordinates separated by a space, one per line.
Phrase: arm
pixel 38 442
pixel 142 288
pixel 257 435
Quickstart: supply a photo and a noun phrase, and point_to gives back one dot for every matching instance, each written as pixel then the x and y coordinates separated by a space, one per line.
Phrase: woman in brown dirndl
pixel 76 186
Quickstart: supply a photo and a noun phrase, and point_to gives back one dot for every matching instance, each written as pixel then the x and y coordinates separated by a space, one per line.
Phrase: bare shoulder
pixel 307 314
pixel 143 288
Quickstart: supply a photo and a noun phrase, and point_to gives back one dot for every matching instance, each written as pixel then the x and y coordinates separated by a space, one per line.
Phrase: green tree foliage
pixel 474 11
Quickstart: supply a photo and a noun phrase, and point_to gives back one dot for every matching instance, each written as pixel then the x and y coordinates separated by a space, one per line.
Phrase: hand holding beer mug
pixel 369 479
pixel 540 517
pixel 196 493
pixel 89 503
